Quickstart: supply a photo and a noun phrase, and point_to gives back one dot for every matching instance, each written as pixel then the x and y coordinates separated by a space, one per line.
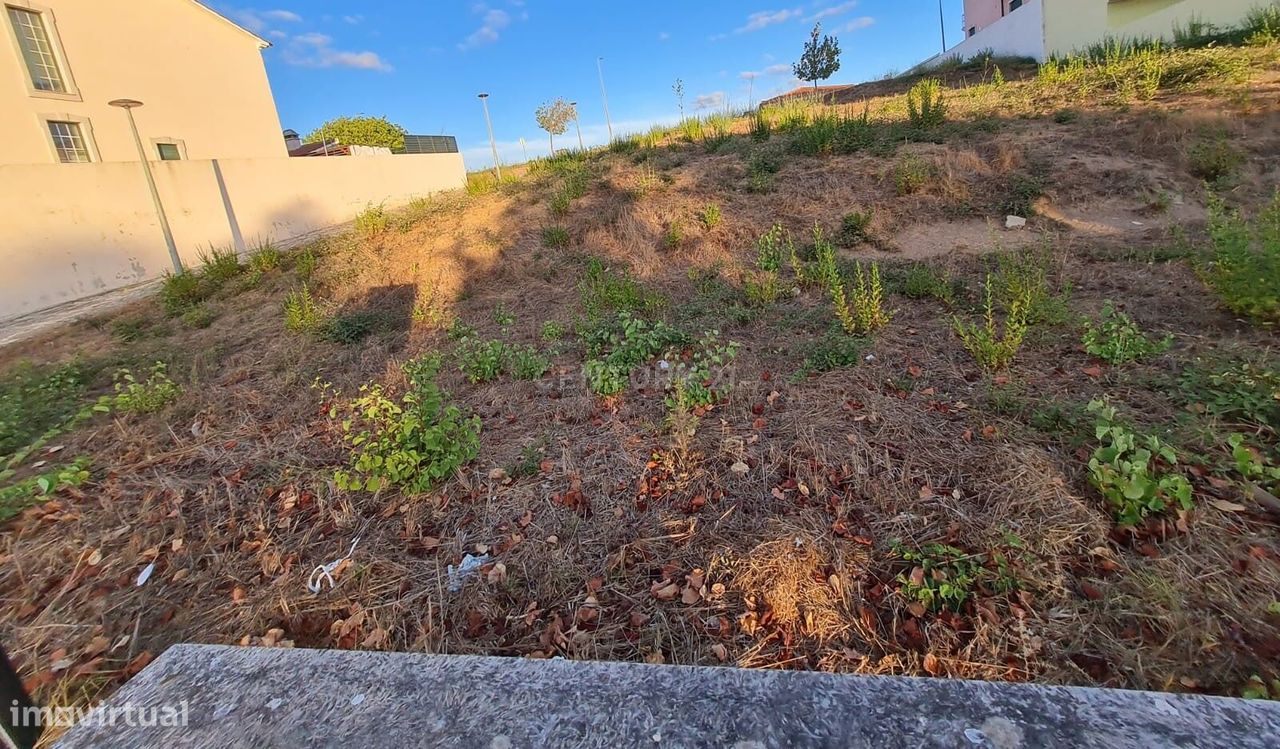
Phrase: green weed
pixel 992 348
pixel 414 443
pixel 1130 470
pixel 301 315
pixel 1245 272
pixel 1117 339
pixel 480 361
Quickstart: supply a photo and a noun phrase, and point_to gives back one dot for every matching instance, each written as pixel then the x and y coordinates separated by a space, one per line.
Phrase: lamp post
pixel 493 144
pixel 604 97
pixel 577 123
pixel 942 24
pixel 128 105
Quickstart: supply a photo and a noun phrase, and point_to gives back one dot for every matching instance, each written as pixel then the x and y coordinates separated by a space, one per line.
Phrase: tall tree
pixel 554 117
pixel 678 89
pixel 820 59
pixel 360 131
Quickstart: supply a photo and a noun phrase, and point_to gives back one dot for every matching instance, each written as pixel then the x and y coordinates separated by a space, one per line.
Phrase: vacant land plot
pixel 779 391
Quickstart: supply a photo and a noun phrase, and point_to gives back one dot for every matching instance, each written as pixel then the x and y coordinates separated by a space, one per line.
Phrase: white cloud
pixel 261 21
pixel 834 10
pixel 492 23
pixel 286 16
pixel 861 22
pixel 765 18
pixel 663 36
pixel 778 69
pixel 353 19
pixel 713 100
pixel 315 50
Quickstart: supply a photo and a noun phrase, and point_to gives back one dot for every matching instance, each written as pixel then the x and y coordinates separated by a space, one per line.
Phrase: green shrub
pixel 762 287
pixel 1262 27
pixel 526 363
pixel 946 578
pixel 1245 272
pixel 480 361
pixel 710 215
pixel 301 315
pixel 616 349
pixel 853 228
pixel 703 379
pixel 923 282
pixel 911 174
pixel 219 266
pixel 604 291
pixel 140 396
pixel 372 221
pixel 834 350
pixel 1025 276
pixel 1214 161
pixel 1129 470
pixel 35 399
pixel 199 316
pixel 772 247
pixel 414 443
pixel 180 291
pixel 266 257
pixel 502 316
pixel 1118 339
pixel 761 128
pixel 673 236
pixel 1020 195
pixel 555 236
pixel 17 496
pixel 128 330
pixel 1242 392
pixel 925 105
pixel 864 313
pixel 1066 116
pixel 992 349
pixel 305 262
pixel 354 327
pixel 552 331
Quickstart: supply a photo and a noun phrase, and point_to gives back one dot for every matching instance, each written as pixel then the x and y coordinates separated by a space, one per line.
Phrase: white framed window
pixel 35 37
pixel 168 149
pixel 70 138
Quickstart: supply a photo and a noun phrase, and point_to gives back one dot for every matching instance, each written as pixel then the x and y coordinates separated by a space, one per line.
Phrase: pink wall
pixel 983 13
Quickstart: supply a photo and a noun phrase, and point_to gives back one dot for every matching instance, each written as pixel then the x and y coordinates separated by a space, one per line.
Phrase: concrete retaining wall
pixel 74 230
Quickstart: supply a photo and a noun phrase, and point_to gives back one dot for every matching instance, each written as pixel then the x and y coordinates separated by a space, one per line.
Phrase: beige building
pixel 201 79
pixel 1046 28
pixel 79 218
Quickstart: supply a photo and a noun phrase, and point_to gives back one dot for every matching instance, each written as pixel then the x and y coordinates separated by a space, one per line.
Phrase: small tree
pixel 360 131
pixel 678 88
pixel 554 117
pixel 820 59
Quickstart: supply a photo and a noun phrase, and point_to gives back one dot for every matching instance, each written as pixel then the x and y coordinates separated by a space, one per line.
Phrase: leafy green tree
pixel 554 117
pixel 820 59
pixel 360 131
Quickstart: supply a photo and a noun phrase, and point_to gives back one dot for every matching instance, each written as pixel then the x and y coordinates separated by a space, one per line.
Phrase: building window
pixel 69 142
pixel 1014 5
pixel 37 50
pixel 973 30
pixel 169 152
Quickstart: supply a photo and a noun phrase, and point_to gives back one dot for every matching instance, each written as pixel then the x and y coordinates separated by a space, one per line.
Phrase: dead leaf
pixel 497 574
pixel 1226 506
pixel 664 591
pixel 690 595
pixel 1094 371
pixel 95 558
pixel 720 651
pixel 932 664
pixel 238 594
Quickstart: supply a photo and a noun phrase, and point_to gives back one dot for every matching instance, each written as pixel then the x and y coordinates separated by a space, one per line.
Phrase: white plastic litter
pixel 468 567
pixel 325 571
pixel 145 574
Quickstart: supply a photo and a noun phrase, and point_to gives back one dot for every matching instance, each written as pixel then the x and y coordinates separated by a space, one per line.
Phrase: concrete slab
pixel 257 697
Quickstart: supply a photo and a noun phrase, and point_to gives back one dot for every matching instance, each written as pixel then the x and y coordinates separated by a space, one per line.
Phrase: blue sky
pixel 422 63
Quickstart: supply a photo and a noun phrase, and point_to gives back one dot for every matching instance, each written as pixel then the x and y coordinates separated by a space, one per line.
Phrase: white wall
pixel 1019 34
pixel 73 230
pixel 1072 25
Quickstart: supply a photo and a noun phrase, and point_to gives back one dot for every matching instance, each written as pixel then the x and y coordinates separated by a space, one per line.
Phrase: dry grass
pixel 621 540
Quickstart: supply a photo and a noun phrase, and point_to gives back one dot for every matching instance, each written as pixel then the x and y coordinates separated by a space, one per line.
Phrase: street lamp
pixel 128 105
pixel 577 123
pixel 493 144
pixel 942 24
pixel 604 97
